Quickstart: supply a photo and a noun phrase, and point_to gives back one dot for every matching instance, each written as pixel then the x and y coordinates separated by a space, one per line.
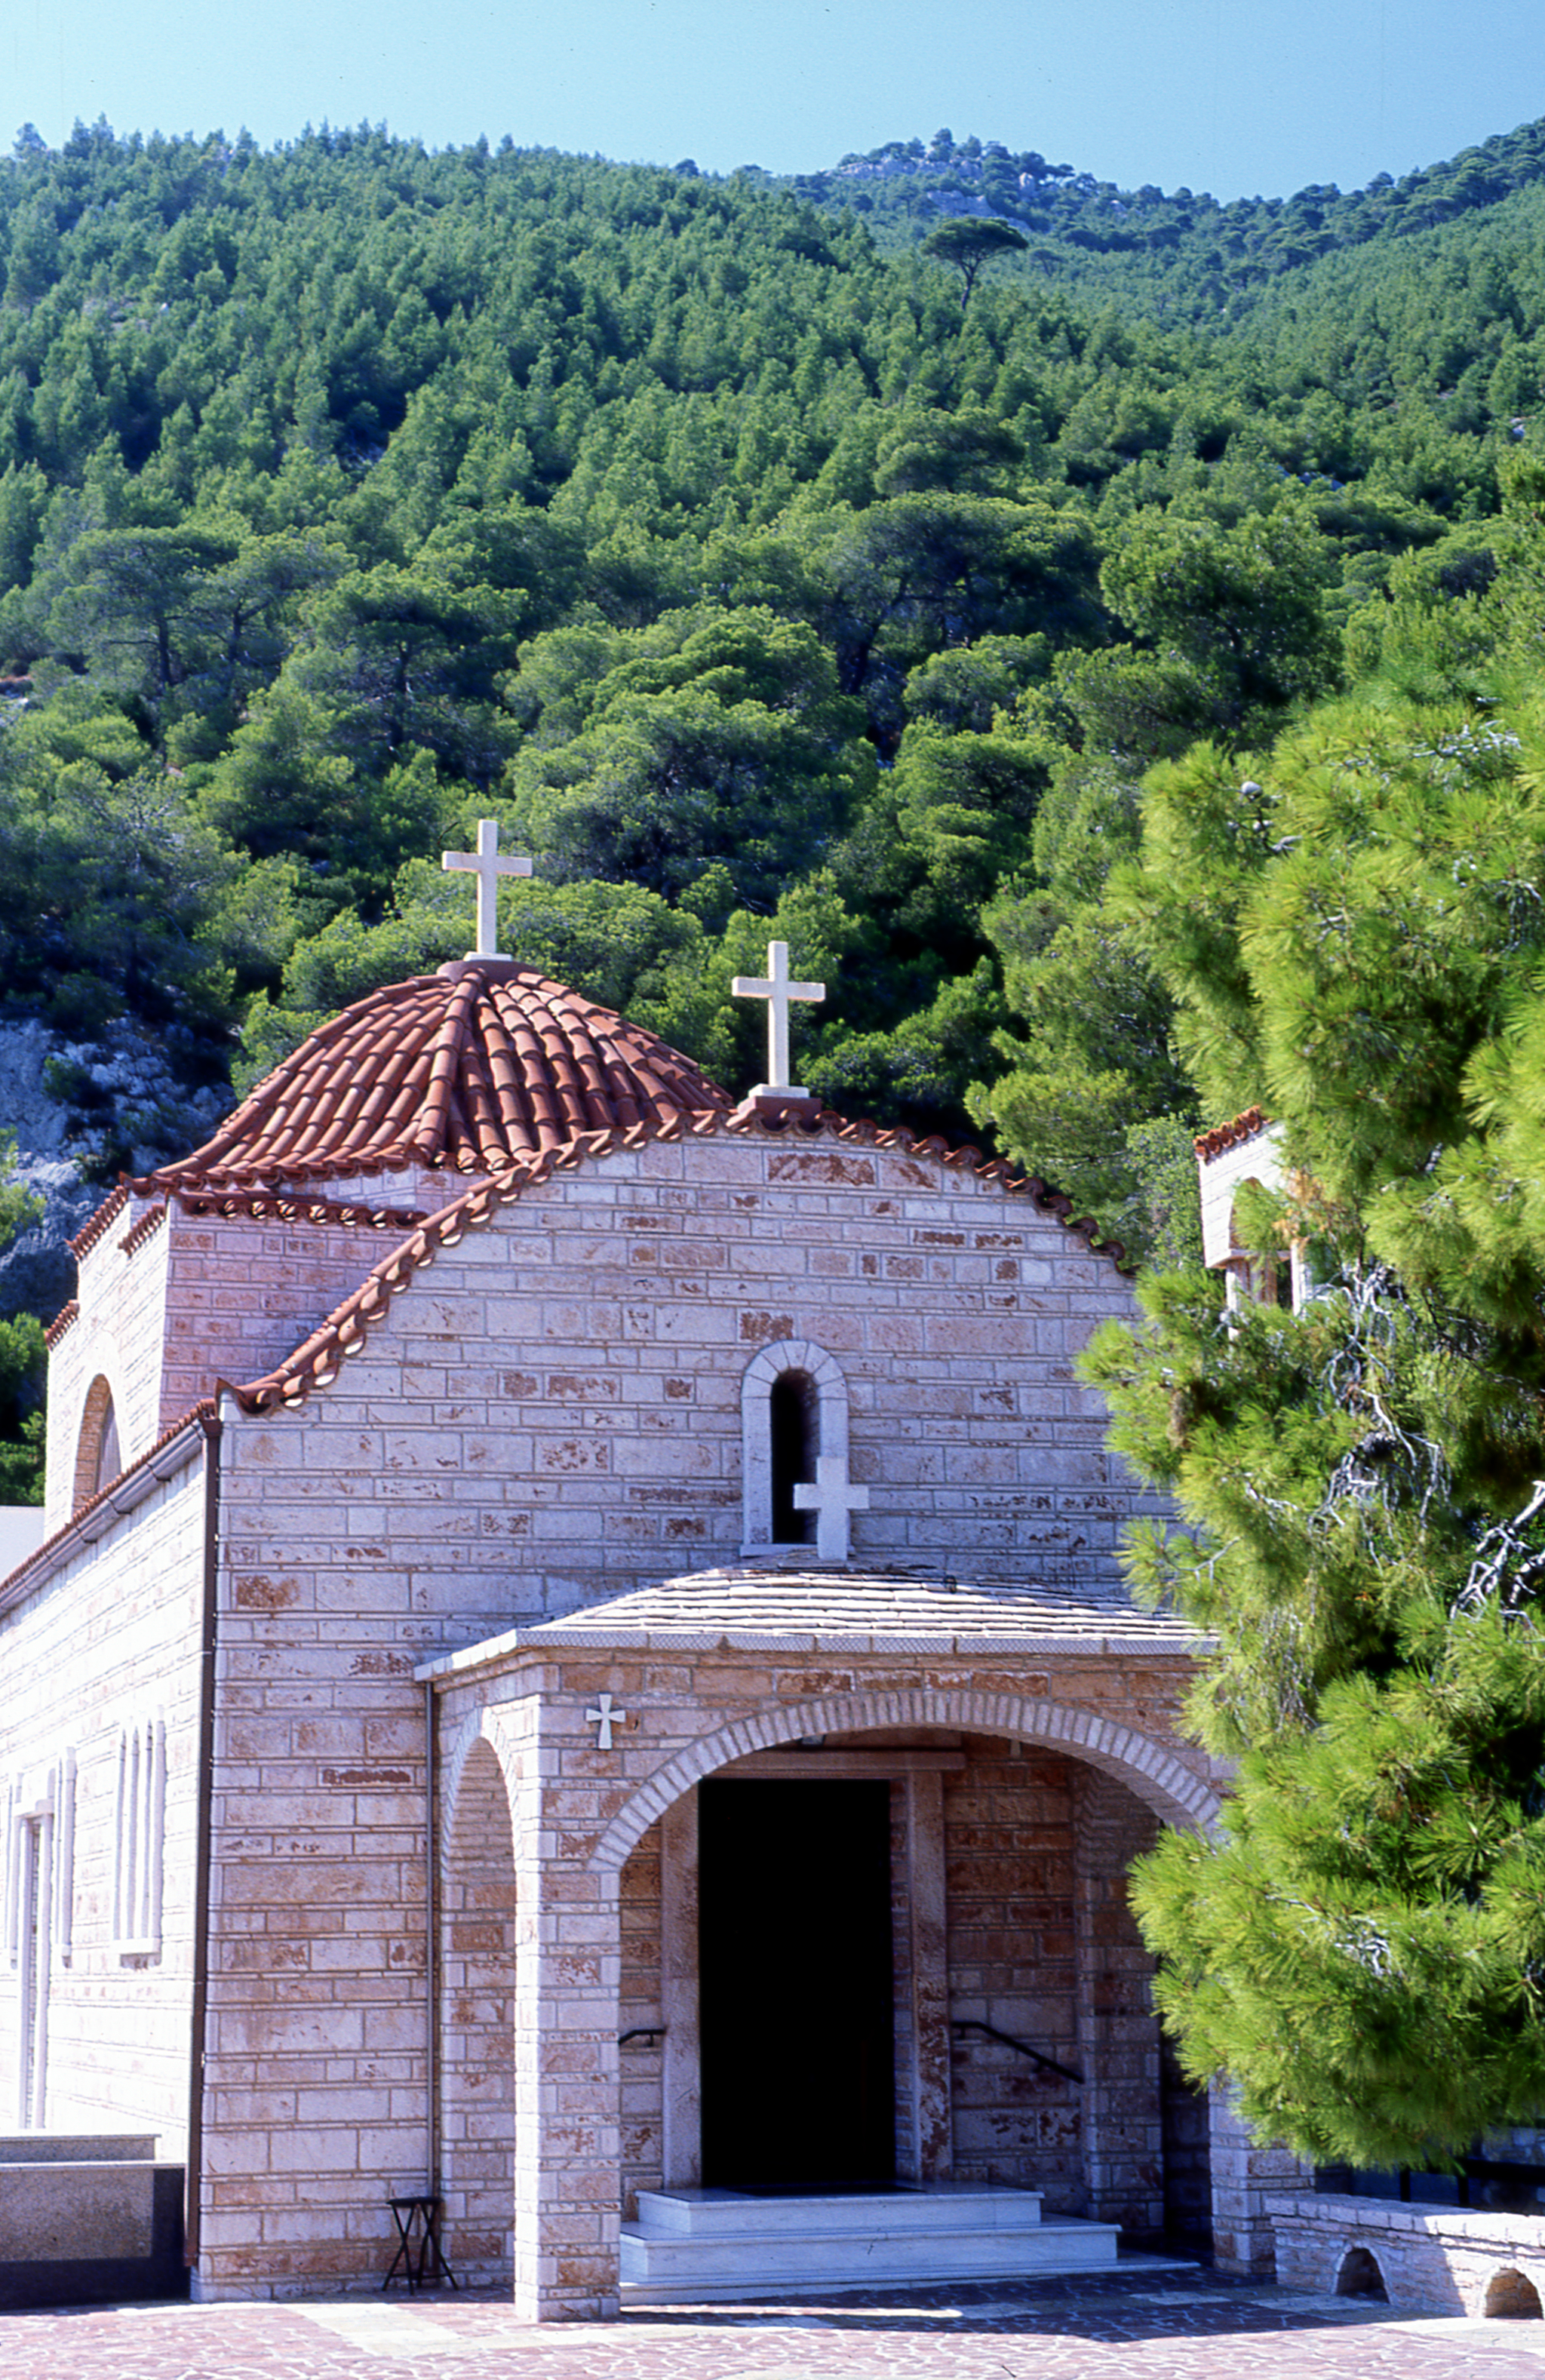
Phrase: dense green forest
pixel 760 570
pixel 1181 253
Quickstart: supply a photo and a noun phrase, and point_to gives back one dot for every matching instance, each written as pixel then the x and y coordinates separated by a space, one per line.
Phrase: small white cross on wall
pixel 487 867
pixel 831 1496
pixel 776 989
pixel 603 1718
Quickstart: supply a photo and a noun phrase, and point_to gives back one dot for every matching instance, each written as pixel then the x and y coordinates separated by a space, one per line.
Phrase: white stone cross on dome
pixel 487 867
pixel 831 1496
pixel 604 1719
pixel 777 990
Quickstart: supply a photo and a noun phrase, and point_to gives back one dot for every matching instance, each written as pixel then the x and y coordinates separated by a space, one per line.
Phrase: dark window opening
pixel 792 1419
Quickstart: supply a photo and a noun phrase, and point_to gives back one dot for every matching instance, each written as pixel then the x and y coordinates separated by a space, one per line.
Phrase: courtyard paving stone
pixel 1179 2327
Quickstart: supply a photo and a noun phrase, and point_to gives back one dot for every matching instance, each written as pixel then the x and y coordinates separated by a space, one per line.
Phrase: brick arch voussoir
pixel 1149 1769
pixel 794 1355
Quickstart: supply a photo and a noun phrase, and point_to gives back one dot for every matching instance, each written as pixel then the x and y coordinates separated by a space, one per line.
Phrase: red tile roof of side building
pixel 1247 1126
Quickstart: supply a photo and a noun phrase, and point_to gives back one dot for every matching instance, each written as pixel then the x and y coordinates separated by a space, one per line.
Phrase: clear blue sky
pixel 1234 96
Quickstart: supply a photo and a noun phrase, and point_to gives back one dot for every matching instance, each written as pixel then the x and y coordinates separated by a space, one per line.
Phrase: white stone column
pixel 679 2002
pixel 933 2142
pixel 568 2134
pixel 1245 2174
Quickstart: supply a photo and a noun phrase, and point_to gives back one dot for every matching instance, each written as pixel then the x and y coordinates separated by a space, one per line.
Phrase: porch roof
pixel 775 1609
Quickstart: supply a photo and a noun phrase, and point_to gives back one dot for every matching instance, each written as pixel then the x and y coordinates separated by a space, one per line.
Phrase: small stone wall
pixel 1430 2259
pixel 88 2220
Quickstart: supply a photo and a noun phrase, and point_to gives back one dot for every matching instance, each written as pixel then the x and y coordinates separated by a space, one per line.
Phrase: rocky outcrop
pixel 79 1110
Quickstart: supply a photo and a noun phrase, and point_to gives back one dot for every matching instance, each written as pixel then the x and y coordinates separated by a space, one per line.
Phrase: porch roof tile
pixel 849 1610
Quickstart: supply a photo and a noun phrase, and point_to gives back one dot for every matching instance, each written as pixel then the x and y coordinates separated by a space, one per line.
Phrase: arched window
pixel 794 1413
pixel 98 1457
pixel 794 1434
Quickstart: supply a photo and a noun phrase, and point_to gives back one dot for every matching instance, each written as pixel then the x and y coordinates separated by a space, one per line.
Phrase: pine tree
pixel 1354 937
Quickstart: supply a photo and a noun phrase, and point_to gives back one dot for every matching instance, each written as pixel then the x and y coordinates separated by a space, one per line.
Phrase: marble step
pixel 854 2242
pixel 733 2213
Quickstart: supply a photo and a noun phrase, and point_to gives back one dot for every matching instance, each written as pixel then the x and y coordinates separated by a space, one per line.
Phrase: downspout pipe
pixel 212 1427
pixel 431 1976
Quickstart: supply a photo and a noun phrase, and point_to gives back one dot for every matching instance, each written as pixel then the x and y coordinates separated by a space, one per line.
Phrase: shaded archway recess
pixel 1511 2297
pixel 1360 2276
pixel 476 2049
pixel 98 1456
pixel 1150 1770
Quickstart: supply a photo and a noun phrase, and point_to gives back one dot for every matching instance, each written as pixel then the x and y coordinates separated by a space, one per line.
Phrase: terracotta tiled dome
pixel 483 1066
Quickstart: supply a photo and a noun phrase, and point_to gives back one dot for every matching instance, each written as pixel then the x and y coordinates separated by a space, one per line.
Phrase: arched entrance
pixel 1006 2001
pixel 1024 2051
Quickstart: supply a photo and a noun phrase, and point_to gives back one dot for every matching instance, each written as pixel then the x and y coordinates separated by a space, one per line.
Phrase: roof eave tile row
pixel 318 1360
pixel 278 1205
pixel 1222 1136
pixel 101 1224
pixel 149 1222
pixel 65 1319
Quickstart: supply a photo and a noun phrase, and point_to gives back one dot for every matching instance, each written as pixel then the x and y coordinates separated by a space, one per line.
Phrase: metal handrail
pixel 972 2024
pixel 649 2033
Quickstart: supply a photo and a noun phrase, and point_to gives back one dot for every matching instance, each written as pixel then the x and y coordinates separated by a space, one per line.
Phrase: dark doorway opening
pixel 797 2022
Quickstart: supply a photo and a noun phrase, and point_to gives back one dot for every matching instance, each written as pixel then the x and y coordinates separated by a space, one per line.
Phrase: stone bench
pixel 88 2218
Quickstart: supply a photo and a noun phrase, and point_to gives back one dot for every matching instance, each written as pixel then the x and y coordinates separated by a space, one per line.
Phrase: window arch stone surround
pixel 767 1366
pixel 98 1454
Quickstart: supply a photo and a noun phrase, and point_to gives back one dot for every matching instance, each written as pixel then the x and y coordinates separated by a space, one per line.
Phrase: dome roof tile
pixel 483 1066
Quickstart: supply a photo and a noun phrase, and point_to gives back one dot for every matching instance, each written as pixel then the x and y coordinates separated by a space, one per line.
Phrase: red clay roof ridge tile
pixel 1245 1126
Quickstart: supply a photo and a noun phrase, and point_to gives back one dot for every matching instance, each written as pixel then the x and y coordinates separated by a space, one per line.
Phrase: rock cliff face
pixel 73 1106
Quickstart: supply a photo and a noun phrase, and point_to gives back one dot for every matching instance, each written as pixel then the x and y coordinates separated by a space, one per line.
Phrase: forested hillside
pixel 1181 252
pixel 758 577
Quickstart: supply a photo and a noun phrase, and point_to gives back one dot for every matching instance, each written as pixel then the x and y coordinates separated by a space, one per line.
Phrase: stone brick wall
pixel 118 1336
pixel 1009 1848
pixel 1247 2175
pixel 476 2050
pixel 112 1639
pixel 1118 2029
pixel 551 1410
pixel 641 2004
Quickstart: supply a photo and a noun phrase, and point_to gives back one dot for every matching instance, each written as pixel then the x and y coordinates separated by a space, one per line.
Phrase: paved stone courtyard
pixel 1152 2326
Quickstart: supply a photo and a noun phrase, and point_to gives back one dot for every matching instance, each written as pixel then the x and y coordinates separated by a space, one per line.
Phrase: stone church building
pixel 579 1655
